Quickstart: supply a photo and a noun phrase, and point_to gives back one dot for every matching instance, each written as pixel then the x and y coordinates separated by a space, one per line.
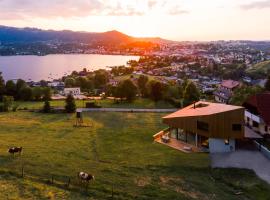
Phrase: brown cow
pixel 85 177
pixel 14 150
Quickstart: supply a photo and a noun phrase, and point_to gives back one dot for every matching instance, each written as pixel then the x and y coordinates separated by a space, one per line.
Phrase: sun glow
pixel 176 20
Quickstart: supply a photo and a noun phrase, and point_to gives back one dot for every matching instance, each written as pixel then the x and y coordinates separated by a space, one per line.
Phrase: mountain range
pixel 32 35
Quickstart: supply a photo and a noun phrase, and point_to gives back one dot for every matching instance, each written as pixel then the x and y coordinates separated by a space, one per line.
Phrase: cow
pixel 14 150
pixel 85 177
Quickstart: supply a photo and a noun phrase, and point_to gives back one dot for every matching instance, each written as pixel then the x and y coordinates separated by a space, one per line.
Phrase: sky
pixel 180 20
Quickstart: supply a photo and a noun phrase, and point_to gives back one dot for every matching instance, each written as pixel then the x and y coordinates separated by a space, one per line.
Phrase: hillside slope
pixel 259 70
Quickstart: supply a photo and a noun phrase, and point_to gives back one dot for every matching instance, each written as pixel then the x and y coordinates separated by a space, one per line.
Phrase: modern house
pixel 204 126
pixel 257 113
pixel 225 91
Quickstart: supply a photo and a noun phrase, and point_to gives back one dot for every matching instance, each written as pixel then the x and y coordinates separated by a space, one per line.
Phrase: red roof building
pixel 257 113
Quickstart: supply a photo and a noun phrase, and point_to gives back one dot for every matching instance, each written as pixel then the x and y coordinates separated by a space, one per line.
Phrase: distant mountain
pixel 31 35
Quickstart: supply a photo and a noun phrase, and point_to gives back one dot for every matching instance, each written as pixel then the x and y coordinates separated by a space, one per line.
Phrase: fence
pixel 263 149
pixel 70 182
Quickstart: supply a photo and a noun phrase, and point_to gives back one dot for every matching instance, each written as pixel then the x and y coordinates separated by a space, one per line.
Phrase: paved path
pixel 253 160
pixel 127 110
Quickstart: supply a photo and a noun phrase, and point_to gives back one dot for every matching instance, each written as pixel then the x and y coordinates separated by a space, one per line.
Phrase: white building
pixel 73 91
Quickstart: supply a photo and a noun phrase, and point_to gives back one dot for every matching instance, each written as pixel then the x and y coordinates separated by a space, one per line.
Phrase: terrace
pixel 166 137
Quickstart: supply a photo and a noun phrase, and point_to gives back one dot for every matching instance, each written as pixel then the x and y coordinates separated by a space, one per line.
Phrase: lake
pixel 55 66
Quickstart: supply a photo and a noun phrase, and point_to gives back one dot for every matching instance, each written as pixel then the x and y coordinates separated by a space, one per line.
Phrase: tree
pixel 142 82
pixel 241 94
pixel 70 106
pixel 11 88
pixel 2 86
pixel 25 94
pixel 19 85
pixel 47 93
pixel 267 84
pixel 37 93
pixel 47 107
pixel 101 78
pixel 43 83
pixel 69 82
pixel 155 90
pixel 191 93
pixel 7 103
pixel 127 89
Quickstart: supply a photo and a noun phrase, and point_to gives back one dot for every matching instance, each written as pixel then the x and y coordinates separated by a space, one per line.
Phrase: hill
pixel 259 70
pixel 31 35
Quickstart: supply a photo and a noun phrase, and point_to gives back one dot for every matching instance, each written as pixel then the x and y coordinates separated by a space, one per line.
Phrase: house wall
pixel 249 118
pixel 220 124
pixel 218 145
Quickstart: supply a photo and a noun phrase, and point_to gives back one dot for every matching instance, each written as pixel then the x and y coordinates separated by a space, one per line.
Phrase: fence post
pixel 68 183
pixel 112 191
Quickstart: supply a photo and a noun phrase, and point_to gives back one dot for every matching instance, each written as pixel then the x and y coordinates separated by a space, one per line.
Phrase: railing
pixel 161 133
pixel 265 151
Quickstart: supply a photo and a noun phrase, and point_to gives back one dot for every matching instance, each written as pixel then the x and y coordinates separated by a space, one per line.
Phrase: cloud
pixel 256 5
pixel 27 9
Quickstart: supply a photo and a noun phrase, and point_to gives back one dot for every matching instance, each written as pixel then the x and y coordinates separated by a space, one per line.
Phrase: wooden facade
pixel 220 123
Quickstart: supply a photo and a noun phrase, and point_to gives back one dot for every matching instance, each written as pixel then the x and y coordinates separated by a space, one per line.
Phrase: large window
pixel 202 126
pixel 255 124
pixel 236 127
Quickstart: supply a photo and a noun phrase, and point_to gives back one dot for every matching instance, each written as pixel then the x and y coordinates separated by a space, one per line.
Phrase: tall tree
pixel 156 90
pixel 142 82
pixel 2 86
pixel 127 89
pixel 191 93
pixel 70 106
pixel 11 89
pixel 25 93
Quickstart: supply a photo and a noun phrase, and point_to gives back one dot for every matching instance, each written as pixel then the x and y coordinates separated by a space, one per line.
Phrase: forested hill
pixel 29 35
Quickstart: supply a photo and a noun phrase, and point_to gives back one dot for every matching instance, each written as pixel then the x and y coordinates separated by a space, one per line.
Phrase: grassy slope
pixel 118 149
pixel 260 68
pixel 107 103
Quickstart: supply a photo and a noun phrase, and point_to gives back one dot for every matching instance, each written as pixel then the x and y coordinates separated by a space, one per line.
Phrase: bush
pixel 70 106
pixel 47 107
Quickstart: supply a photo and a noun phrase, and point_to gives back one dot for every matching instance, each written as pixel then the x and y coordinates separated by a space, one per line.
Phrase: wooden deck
pixel 179 145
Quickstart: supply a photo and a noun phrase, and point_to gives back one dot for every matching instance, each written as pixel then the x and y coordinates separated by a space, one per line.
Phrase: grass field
pixel 119 150
pixel 105 103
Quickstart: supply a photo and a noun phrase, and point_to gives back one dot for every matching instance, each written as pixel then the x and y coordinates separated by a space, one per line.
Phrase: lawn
pixel 105 103
pixel 118 149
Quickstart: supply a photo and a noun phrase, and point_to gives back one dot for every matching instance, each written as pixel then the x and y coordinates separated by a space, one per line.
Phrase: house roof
pixel 230 84
pixel 261 102
pixel 202 109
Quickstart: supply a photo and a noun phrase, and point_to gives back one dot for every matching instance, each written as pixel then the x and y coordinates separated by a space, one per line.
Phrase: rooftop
pixel 230 84
pixel 202 108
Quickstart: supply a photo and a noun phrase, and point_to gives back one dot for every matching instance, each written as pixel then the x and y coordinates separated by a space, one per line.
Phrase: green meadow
pixel 118 149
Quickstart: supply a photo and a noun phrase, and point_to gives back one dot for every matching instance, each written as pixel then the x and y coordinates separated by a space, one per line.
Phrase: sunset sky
pixel 170 19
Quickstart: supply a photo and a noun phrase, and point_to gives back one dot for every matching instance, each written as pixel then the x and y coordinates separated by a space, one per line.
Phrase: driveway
pixel 253 160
